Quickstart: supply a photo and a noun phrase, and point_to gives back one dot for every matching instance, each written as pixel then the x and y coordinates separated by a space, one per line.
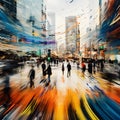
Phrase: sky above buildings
pixel 85 10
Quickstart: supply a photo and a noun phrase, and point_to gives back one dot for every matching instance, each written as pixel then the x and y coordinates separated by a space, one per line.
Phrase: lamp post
pixel 49 55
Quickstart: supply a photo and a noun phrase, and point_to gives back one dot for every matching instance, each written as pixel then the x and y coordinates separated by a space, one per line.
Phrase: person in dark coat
pixel 90 68
pixel 68 69
pixel 43 69
pixel 78 65
pixel 63 68
pixel 94 66
pixel 7 88
pixel 102 65
pixel 57 61
pixel 49 72
pixel 31 75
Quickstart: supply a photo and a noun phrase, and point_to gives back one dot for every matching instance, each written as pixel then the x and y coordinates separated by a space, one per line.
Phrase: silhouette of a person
pixel 68 69
pixel 31 75
pixel 63 68
pixel 7 87
pixel 49 72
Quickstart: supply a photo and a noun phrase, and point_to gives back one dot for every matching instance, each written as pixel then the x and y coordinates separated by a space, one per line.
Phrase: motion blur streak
pixel 47 104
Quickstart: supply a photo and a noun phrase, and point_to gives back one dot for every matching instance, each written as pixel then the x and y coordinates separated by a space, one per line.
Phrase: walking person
pixel 77 65
pixel 57 61
pixel 49 72
pixel 98 65
pixel 63 68
pixel 54 62
pixel 6 88
pixel 94 66
pixel 43 69
pixel 68 69
pixel 83 68
pixel 90 68
pixel 31 75
pixel 38 63
pixel 102 65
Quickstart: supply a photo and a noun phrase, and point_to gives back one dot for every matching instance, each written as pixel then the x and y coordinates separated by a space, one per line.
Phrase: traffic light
pixel 49 52
pixel 49 59
pixel 49 55
pixel 101 47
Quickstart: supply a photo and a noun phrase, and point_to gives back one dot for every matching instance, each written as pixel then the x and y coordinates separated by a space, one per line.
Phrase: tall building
pixel 71 34
pixel 8 20
pixel 78 40
pixel 51 28
pixel 110 29
pixel 32 15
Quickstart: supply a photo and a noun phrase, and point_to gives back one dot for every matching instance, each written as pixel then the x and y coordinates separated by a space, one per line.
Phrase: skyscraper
pixel 71 34
pixel 8 11
pixel 51 27
pixel 78 40
pixel 32 15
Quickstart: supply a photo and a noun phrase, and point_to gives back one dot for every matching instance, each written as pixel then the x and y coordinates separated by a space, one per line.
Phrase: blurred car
pixel 31 61
pixel 2 64
pixel 9 65
pixel 111 72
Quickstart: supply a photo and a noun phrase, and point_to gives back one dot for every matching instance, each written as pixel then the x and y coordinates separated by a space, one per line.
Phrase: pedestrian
pixel 54 61
pixel 31 76
pixel 49 72
pixel 98 65
pixel 102 65
pixel 77 65
pixel 63 68
pixel 57 61
pixel 43 69
pixel 68 69
pixel 90 68
pixel 6 88
pixel 38 63
pixel 83 67
pixel 94 66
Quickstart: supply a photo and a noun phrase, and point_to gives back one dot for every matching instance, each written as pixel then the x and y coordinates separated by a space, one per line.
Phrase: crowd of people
pixel 47 69
pixel 47 72
pixel 91 67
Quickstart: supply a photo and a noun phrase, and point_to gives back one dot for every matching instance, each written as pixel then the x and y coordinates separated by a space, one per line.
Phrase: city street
pixel 74 97
pixel 58 80
pixel 59 59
